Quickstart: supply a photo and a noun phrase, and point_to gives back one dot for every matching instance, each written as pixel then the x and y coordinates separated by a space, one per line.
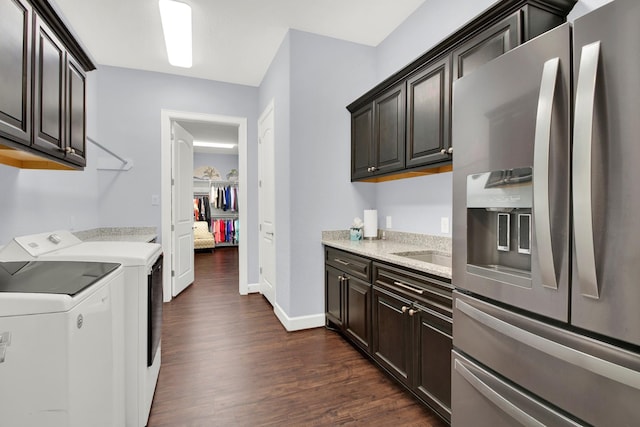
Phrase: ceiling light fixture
pixel 213 144
pixel 176 25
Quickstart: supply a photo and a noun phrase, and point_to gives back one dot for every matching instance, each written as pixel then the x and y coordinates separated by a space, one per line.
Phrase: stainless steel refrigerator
pixel 546 229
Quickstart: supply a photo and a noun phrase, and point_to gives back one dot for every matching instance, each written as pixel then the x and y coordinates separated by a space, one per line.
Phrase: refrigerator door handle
pixel 582 197
pixel 614 372
pixel 483 384
pixel 542 144
pixel 494 397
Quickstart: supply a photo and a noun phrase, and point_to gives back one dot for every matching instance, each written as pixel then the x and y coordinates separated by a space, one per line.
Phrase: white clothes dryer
pixel 61 358
pixel 143 299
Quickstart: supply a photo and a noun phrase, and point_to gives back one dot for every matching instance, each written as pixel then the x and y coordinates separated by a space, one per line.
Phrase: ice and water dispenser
pixel 499 225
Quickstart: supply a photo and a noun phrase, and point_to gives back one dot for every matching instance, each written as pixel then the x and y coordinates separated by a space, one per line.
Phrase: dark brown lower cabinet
pixel 391 331
pixel 432 338
pixel 358 312
pixel 401 319
pixel 334 296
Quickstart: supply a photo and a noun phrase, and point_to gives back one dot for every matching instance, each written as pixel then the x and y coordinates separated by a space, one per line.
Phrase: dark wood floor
pixel 227 361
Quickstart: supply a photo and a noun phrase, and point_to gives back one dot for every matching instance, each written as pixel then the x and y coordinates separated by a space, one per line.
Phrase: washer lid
pixel 51 277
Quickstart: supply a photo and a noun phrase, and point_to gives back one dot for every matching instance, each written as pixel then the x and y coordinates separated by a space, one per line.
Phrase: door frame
pixel 166 117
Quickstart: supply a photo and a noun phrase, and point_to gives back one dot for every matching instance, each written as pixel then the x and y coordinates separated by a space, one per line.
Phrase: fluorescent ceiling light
pixel 213 144
pixel 176 24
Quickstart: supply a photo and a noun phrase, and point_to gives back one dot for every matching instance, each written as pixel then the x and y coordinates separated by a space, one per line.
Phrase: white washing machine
pixel 61 358
pixel 142 265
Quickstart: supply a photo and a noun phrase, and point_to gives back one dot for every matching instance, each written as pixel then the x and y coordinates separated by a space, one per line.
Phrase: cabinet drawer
pixel 351 264
pixel 427 291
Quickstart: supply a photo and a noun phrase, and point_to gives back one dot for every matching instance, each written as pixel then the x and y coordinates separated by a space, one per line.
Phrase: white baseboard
pixel 298 323
pixel 253 288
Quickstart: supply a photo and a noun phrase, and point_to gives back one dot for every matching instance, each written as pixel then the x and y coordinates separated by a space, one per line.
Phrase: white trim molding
pixel 298 323
pixel 166 117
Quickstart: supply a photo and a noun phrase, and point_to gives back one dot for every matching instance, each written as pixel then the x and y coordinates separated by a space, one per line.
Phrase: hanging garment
pixel 207 208
pixel 232 194
pixel 196 210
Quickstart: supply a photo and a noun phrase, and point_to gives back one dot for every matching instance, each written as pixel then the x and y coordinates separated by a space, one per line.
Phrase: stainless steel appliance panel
pixel 485 400
pixel 591 380
pixel 606 172
pixel 510 115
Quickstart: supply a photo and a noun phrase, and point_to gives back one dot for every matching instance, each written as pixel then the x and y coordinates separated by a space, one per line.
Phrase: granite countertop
pixel 118 234
pixel 395 242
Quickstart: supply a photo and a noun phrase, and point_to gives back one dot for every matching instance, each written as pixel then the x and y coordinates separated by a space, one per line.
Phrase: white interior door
pixel 266 195
pixel 182 209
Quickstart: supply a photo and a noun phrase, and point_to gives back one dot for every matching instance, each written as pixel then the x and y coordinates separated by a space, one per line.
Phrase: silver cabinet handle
pixel 542 145
pixel 404 308
pixel 339 261
pixel 582 144
pixel 410 288
pixel 450 150
pixel 443 151
pixel 577 358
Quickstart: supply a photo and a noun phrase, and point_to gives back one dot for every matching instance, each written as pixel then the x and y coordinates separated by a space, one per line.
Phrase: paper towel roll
pixel 370 223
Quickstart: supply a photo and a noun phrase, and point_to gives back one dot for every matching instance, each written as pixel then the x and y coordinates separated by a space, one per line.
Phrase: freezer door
pixel 511 133
pixel 606 172
pixel 483 399
pixel 591 380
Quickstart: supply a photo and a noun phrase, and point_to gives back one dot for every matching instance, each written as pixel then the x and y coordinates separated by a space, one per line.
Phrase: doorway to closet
pixel 215 185
pixel 198 124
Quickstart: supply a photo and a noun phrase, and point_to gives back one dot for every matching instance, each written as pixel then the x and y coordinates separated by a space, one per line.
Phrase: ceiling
pixel 212 132
pixel 234 41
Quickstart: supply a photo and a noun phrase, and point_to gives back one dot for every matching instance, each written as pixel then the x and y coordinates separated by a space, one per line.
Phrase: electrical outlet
pixel 444 224
pixel 388 225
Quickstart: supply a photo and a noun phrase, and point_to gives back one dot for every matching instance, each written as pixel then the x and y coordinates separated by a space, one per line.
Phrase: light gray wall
pixel 37 201
pixel 130 102
pixel 223 163
pixel 312 79
pixel 326 75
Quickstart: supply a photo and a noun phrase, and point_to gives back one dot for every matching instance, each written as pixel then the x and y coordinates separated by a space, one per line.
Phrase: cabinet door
pixel 388 131
pixel 358 312
pixel 334 296
pixel 362 142
pixel 15 71
pixel 428 106
pixel 75 113
pixel 432 351
pixel 49 91
pixel 391 337
pixel 488 45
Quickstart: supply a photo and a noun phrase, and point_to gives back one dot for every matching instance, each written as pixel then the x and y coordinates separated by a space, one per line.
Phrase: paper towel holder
pixel 370 224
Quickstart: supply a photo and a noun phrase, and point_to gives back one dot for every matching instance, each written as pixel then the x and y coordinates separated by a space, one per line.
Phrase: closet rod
pixel 126 163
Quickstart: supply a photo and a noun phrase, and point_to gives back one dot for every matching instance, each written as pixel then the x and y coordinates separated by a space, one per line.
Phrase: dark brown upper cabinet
pixel 76 125
pixel 362 141
pixel 377 151
pixel 428 106
pixel 377 133
pixel 49 79
pixel 15 70
pixel 388 131
pixel 488 45
pixel 42 90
